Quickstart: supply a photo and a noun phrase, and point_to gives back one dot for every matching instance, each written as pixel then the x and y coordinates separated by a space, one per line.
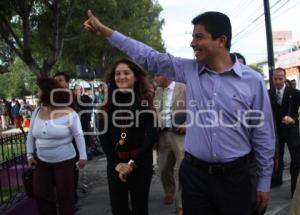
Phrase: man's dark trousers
pixel 214 191
pixel 291 136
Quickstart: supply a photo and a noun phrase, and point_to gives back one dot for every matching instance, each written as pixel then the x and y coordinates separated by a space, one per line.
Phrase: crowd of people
pixel 219 133
pixel 15 113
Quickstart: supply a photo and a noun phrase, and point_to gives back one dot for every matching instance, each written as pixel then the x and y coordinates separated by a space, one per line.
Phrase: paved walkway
pixel 96 199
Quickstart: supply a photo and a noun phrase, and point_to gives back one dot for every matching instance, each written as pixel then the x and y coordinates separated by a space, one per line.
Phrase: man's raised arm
pixel 146 56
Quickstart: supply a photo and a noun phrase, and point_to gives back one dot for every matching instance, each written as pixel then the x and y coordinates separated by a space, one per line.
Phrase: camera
pixel 87 72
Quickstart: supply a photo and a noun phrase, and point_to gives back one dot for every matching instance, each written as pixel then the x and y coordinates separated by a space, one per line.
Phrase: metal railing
pixel 13 163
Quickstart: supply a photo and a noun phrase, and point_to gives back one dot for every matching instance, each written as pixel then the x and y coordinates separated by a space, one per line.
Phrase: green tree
pixel 21 22
pixel 257 68
pixel 6 57
pixel 19 82
pixel 48 34
pixel 136 18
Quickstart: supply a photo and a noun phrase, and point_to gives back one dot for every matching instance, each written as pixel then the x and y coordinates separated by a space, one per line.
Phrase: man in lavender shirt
pixel 228 115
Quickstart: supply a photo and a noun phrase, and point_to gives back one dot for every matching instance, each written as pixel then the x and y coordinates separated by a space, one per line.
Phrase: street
pixel 96 199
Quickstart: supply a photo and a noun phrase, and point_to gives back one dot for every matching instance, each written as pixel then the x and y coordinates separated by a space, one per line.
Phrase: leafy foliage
pixel 17 83
pixel 6 57
pixel 48 35
pixel 257 68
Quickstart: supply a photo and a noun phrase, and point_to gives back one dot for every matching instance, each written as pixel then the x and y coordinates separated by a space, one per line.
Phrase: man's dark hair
pixel 288 82
pixel 66 76
pixel 240 56
pixel 46 85
pixel 280 69
pixel 217 24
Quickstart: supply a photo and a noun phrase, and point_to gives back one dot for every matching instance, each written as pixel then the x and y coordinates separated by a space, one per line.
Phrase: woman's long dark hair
pixel 141 85
pixel 47 85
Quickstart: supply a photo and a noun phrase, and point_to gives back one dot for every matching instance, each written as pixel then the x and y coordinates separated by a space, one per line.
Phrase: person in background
pixel 25 111
pixel 293 84
pixel 26 108
pixel 63 79
pixel 50 150
pixel 3 114
pixel 285 104
pixel 152 88
pixel 240 58
pixel 15 113
pixel 288 83
pixel 129 138
pixel 8 108
pixel 214 173
pixel 84 103
pixel 100 94
pixel 99 100
pixel 171 97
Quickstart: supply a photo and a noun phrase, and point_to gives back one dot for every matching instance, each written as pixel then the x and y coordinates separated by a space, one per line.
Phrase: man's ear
pixel 223 41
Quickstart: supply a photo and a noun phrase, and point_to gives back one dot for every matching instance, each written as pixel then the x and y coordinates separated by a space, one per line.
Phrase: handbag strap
pixel 34 114
pixel 33 117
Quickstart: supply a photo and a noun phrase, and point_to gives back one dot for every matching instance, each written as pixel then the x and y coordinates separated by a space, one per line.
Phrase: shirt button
pixel 214 134
pixel 215 94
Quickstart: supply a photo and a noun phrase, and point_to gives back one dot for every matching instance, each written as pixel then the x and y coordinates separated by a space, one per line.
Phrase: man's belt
pixel 217 168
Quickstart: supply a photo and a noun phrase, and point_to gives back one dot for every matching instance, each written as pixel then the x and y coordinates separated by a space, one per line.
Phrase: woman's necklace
pixel 123 135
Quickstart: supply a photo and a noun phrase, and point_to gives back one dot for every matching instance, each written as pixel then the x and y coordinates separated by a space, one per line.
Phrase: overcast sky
pixel 251 38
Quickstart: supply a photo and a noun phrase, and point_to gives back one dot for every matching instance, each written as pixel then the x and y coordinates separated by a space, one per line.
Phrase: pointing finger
pixel 90 14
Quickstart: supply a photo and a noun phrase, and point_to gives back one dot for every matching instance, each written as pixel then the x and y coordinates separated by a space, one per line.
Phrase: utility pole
pixel 268 24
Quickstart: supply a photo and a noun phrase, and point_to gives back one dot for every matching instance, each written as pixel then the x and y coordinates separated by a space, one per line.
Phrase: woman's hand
pixel 81 163
pixel 124 170
pixel 32 163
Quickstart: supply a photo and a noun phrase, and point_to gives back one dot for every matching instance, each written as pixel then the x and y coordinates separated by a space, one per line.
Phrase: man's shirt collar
pixel 236 68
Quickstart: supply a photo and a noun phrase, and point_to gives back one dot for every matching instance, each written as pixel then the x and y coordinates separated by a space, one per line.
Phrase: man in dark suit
pixel 285 104
pixel 84 104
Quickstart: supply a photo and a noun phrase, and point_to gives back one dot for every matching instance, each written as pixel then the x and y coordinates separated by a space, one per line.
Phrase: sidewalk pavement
pixel 94 199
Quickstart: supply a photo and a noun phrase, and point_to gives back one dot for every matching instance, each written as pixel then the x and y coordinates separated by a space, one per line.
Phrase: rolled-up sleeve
pixel 152 60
